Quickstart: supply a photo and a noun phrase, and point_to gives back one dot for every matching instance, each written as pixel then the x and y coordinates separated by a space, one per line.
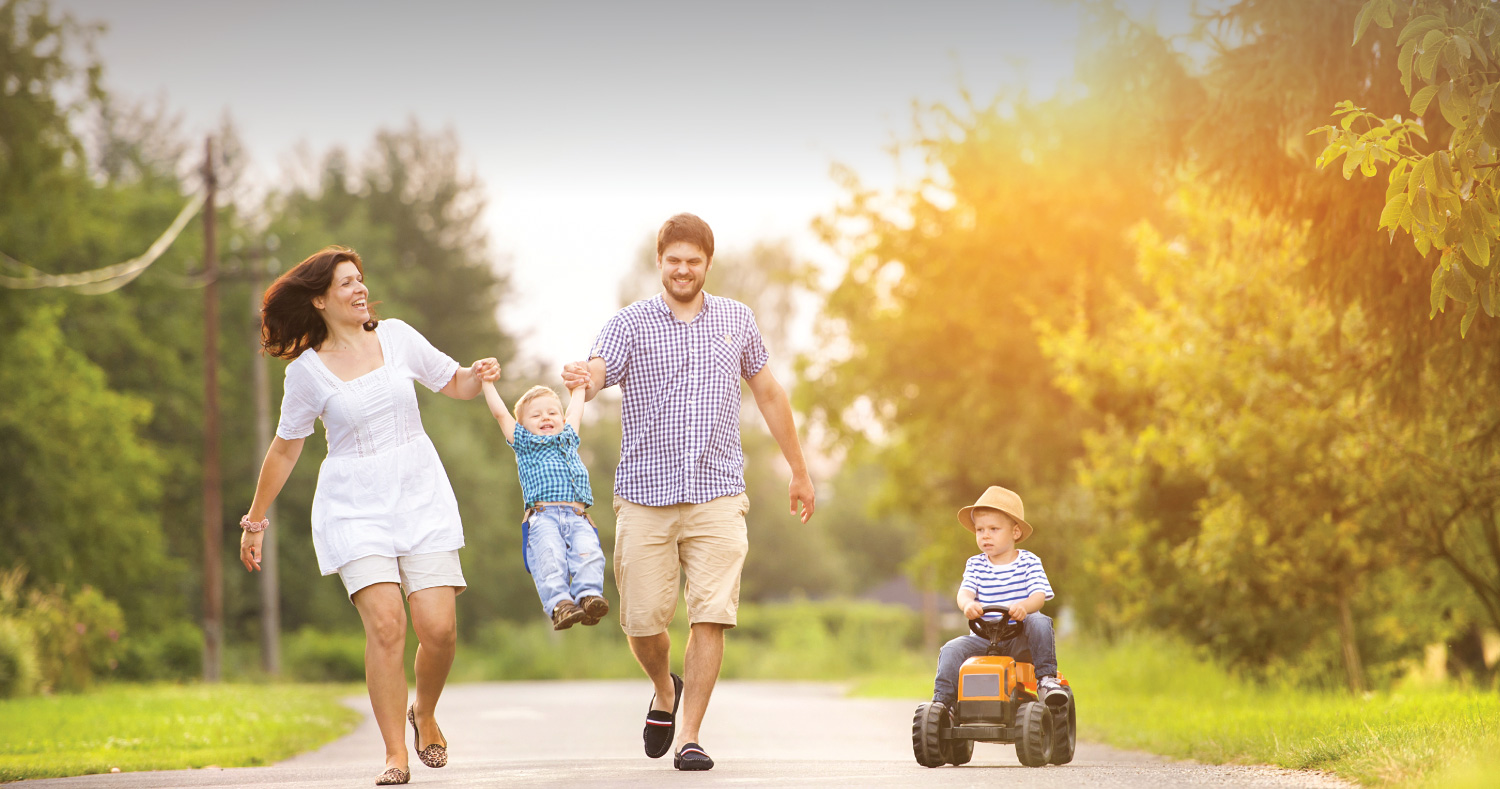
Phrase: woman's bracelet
pixel 253 526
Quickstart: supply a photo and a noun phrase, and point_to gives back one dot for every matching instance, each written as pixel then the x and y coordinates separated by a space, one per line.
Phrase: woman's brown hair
pixel 289 322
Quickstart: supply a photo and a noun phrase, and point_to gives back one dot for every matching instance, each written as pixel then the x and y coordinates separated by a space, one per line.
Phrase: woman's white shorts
pixel 413 573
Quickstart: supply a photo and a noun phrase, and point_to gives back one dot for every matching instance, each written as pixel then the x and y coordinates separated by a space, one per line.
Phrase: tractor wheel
pixel 1034 745
pixel 956 751
pixel 1064 734
pixel 926 734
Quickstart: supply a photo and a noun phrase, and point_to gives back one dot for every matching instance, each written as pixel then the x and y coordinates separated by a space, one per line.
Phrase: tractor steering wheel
pixel 996 630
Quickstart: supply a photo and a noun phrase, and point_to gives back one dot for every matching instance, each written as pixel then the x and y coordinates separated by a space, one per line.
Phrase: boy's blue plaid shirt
pixel 550 467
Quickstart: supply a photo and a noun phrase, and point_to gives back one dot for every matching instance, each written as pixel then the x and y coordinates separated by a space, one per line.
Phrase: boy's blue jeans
pixel 563 552
pixel 1035 645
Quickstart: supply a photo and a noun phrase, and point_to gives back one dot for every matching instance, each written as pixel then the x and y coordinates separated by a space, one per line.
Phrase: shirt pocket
pixel 725 355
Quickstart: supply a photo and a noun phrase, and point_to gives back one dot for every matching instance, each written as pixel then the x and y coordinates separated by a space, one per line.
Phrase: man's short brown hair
pixel 689 228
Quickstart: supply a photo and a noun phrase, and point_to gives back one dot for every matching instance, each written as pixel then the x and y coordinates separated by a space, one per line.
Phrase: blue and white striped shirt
pixel 1003 584
pixel 550 468
pixel 680 417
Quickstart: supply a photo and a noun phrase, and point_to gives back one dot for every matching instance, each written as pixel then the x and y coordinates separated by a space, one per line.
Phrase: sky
pixel 591 123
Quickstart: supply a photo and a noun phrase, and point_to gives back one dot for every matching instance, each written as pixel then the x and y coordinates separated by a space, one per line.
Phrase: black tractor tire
pixel 956 751
pixel 1064 733
pixel 927 734
pixel 1034 745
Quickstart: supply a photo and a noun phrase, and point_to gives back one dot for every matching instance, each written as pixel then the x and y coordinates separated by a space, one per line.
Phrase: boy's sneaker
pixel 566 613
pixel 1051 691
pixel 594 608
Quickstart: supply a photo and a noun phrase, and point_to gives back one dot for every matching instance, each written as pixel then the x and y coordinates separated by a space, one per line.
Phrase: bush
pixel 19 675
pixel 314 656
pixel 76 636
pixel 175 652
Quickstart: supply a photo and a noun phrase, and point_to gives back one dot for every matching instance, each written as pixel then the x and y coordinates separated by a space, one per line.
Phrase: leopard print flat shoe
pixel 393 777
pixel 433 755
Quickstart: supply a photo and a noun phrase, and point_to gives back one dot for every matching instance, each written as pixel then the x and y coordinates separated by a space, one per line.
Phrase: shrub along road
pixel 760 733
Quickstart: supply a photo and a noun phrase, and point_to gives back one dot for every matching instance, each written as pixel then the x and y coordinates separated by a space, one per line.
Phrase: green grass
pixel 1153 695
pixel 167 727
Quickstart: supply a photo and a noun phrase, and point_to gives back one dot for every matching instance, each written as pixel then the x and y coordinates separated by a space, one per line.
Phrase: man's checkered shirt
pixel 550 468
pixel 680 442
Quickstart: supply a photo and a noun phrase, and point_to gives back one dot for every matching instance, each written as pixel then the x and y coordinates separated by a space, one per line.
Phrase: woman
pixel 384 516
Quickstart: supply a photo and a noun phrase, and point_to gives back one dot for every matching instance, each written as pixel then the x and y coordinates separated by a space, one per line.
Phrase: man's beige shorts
pixel 414 573
pixel 707 541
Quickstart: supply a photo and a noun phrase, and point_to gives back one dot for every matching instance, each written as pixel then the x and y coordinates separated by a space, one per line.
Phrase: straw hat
pixel 998 498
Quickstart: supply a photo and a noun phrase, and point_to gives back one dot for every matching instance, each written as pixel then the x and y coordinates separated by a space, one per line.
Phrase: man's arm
pixel 776 407
pixel 497 409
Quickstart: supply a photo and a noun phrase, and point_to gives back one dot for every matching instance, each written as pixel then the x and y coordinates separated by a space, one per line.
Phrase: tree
pixel 930 367
pixel 84 482
pixel 81 488
pixel 1242 459
pixel 1446 199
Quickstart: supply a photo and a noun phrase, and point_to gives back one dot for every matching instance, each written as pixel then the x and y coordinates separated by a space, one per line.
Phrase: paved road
pixel 759 733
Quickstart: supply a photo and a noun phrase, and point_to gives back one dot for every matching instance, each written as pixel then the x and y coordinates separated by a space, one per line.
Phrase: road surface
pixel 759 733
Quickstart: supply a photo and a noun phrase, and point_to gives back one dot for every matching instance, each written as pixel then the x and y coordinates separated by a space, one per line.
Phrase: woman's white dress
pixel 382 490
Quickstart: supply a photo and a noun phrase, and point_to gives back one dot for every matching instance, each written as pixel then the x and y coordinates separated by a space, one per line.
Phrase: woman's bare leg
pixel 434 618
pixel 384 617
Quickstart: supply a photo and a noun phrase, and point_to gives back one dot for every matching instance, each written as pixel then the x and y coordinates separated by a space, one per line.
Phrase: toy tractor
pixel 997 702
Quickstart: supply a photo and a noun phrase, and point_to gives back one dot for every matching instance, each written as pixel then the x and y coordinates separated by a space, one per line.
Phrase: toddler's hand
pixel 487 369
pixel 1017 612
pixel 974 610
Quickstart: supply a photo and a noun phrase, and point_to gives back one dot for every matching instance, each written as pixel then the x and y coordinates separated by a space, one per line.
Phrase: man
pixel 680 488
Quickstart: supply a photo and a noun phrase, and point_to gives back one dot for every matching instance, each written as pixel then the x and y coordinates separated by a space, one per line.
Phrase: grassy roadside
pixel 1157 696
pixel 167 727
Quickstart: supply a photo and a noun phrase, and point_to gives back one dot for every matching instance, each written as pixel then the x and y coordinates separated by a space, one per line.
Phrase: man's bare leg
pixel 700 672
pixel 654 653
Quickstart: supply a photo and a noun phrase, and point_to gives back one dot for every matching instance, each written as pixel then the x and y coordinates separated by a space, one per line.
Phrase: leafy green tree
pixel 1445 198
pixel 81 484
pixel 84 478
pixel 931 367
pixel 1240 465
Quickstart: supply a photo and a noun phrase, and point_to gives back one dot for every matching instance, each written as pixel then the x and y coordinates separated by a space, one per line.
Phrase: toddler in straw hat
pixel 1002 575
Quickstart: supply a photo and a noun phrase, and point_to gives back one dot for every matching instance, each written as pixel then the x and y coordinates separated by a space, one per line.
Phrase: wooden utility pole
pixel 213 525
pixel 270 593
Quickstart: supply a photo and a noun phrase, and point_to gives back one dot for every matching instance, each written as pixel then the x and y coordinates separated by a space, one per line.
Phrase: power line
pixel 109 278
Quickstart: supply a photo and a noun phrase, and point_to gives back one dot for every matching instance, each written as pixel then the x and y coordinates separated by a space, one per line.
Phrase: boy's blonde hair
pixel 532 394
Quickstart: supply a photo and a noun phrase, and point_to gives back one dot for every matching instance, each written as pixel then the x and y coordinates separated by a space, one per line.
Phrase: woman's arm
pixel 497 410
pixel 465 383
pixel 280 459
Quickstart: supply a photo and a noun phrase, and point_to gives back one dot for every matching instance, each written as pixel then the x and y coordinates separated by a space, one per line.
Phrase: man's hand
pixel 576 374
pixel 801 491
pixel 973 610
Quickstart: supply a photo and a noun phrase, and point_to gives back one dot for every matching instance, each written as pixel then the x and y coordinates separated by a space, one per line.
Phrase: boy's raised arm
pixel 577 399
pixel 497 409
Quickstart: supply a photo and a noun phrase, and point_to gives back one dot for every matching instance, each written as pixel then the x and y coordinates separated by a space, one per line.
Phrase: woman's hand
pixel 486 369
pixel 250 549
